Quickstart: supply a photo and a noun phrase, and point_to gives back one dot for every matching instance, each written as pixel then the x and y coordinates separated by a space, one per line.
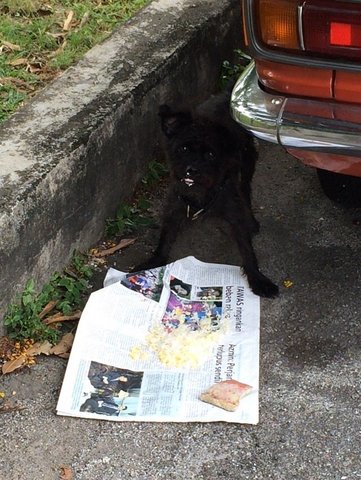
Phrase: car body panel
pixel 328 161
pixel 308 103
pixel 347 87
pixel 295 80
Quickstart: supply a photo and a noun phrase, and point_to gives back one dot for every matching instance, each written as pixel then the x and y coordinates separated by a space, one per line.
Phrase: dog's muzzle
pixel 188 179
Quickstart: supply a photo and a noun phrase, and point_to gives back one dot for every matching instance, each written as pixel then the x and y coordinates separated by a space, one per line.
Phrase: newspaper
pixel 113 373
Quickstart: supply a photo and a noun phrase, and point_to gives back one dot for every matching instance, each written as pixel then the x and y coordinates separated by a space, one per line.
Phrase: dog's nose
pixel 191 171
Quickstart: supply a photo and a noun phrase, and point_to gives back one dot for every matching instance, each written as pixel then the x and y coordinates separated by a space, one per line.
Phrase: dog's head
pixel 200 151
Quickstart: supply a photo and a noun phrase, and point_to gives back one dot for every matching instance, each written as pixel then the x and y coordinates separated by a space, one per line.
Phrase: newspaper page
pixel 141 351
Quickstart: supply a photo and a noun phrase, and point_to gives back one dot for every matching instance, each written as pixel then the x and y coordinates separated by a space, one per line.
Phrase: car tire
pixel 343 189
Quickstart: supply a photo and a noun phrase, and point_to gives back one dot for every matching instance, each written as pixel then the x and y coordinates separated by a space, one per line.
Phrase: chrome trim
pixel 300 26
pixel 276 119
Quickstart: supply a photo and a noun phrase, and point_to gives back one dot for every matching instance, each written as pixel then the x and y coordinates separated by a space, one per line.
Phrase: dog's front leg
pixel 172 222
pixel 259 283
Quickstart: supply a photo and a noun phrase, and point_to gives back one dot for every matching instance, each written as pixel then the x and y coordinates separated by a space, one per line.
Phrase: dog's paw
pixel 153 262
pixel 263 286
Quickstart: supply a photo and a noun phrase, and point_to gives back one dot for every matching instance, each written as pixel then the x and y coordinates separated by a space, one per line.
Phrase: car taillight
pixel 331 28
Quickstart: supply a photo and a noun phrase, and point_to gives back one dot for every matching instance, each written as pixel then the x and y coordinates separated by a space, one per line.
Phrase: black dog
pixel 212 162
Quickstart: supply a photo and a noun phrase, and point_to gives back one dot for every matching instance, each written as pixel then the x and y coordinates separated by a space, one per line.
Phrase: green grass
pixel 35 47
pixel 23 317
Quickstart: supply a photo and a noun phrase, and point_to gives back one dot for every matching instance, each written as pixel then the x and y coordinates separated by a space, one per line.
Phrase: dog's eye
pixel 209 155
pixel 183 149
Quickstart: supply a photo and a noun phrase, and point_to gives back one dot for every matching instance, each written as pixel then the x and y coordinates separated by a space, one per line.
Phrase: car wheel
pixel 343 189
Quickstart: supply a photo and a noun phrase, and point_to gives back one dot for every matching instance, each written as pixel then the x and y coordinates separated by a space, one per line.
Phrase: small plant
pixel 156 171
pixel 129 218
pixel 24 318
pixel 230 72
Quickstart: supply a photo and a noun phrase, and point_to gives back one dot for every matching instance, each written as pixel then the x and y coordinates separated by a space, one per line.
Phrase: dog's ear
pixel 173 121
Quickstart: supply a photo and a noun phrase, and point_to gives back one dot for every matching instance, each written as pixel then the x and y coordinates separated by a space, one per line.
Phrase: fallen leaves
pixel 34 65
pixel 68 21
pixel 7 407
pixel 9 47
pixel 109 251
pixel 47 309
pixel 17 83
pixel 18 62
pixel 23 353
pixel 16 355
pixel 63 348
pixel 21 58
pixel 59 317
pixel 66 473
pixel 6 347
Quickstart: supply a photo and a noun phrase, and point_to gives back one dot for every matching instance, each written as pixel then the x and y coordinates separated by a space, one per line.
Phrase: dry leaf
pixel 8 407
pixel 63 355
pixel 39 348
pixel 48 308
pixel 45 10
pixel 58 50
pixel 66 473
pixel 17 82
pixel 69 19
pixel 12 365
pixel 6 347
pixel 64 345
pixel 84 19
pixel 59 317
pixel 122 244
pixel 11 46
pixel 18 62
pixel 36 67
pixel 53 318
pixel 56 35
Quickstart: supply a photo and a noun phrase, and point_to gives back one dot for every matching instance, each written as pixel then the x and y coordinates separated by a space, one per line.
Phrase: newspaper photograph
pixel 178 343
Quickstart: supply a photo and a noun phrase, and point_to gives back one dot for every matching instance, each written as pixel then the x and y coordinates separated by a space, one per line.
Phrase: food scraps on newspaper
pixel 186 335
pixel 226 394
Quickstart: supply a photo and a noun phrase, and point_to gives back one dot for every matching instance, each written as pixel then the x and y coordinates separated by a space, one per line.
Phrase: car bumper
pixel 297 124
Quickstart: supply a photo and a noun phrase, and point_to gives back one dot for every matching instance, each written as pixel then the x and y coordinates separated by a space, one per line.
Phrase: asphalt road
pixel 310 392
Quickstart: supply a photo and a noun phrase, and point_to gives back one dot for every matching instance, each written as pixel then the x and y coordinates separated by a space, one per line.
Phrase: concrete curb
pixel 73 153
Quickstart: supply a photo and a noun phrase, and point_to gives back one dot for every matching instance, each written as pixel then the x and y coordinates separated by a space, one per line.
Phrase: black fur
pixel 212 162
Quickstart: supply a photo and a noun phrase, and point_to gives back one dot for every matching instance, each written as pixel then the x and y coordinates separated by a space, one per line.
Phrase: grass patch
pixel 24 318
pixel 41 38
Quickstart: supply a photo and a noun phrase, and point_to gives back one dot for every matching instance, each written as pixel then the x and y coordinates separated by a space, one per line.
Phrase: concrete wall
pixel 72 154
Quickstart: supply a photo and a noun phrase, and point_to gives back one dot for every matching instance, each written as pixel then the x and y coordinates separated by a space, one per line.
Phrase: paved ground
pixel 310 390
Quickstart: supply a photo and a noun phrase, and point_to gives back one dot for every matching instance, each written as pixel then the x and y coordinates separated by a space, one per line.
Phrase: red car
pixel 303 88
